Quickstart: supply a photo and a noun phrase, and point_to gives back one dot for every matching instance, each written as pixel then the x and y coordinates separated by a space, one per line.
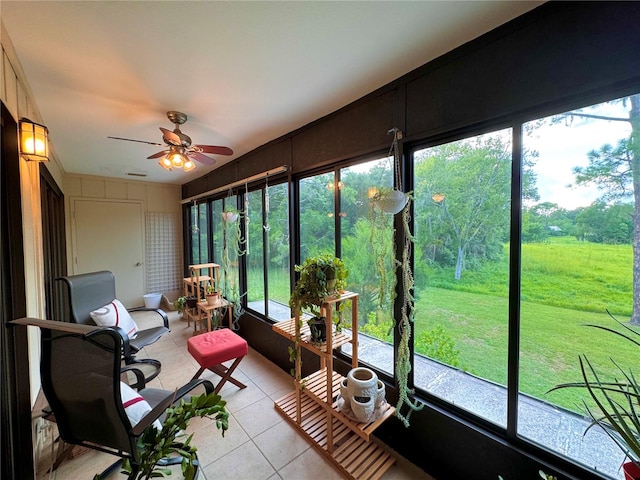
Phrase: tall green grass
pixel 562 272
pixel 565 284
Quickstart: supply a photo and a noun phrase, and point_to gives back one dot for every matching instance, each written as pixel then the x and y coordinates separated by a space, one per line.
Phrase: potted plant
pixel 192 301
pixel 617 401
pixel 180 304
pixel 388 200
pixel 157 445
pixel 318 329
pixel 230 215
pixel 321 277
pixel 211 295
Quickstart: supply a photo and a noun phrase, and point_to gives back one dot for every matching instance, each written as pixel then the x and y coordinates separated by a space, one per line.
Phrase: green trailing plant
pixel 157 445
pixel 180 304
pixel 232 248
pixel 385 203
pixel 617 399
pixel 407 315
pixel 380 224
pixel 321 277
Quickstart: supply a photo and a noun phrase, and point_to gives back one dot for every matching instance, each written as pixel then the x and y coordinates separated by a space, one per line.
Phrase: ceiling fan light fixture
pixel 176 159
pixel 188 165
pixel 165 163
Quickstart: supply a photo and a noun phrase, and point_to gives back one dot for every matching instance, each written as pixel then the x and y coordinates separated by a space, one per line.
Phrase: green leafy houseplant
pixel 157 445
pixel 321 277
pixel 617 399
pixel 179 304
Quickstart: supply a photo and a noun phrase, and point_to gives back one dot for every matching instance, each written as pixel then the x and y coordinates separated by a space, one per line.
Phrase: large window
pixel 276 228
pixel 268 272
pixel 198 233
pixel 317 211
pixel 367 245
pixel 254 251
pixel 577 264
pixel 462 209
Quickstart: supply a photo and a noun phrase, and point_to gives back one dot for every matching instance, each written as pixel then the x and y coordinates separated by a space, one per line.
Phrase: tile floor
pixel 259 445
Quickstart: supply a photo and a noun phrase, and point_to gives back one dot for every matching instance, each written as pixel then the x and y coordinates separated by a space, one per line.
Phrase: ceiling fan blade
pixel 132 140
pixel 159 154
pixel 201 158
pixel 170 137
pixel 215 149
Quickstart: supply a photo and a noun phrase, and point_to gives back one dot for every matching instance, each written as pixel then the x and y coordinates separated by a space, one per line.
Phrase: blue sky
pixel 562 146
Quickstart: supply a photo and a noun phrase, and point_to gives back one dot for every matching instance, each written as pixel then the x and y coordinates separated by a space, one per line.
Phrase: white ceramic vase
pixel 362 382
pixel 343 393
pixel 380 397
pixel 363 408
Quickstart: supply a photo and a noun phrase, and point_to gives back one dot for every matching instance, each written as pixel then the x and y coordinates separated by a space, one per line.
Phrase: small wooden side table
pixel 208 311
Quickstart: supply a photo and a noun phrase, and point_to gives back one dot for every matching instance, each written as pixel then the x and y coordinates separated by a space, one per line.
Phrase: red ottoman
pixel 212 348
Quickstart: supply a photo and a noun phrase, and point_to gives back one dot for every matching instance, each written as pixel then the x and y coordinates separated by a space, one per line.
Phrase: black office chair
pixel 81 372
pixel 88 292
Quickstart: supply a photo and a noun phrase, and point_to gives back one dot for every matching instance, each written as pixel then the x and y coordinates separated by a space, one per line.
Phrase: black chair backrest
pixel 87 292
pixel 81 381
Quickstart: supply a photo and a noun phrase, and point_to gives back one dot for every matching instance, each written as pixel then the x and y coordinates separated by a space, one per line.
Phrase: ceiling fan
pixel 181 151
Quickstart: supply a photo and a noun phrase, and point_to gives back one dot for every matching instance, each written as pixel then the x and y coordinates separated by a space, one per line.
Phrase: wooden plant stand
pixel 312 406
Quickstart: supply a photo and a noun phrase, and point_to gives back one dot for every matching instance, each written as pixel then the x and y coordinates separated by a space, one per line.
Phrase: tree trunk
pixel 634 118
pixel 459 262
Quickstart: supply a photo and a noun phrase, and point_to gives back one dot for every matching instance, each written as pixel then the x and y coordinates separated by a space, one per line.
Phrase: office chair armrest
pixel 169 400
pixel 159 311
pixel 140 382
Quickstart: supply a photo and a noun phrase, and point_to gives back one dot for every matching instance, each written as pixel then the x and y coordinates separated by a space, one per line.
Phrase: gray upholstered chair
pixel 88 292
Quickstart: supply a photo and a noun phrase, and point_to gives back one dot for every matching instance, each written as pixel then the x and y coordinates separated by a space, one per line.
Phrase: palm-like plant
pixel 617 401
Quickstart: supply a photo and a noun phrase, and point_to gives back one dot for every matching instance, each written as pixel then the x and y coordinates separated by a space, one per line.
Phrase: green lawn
pixel 550 341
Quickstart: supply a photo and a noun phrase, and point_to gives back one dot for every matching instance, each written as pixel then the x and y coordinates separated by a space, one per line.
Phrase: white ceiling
pixel 244 72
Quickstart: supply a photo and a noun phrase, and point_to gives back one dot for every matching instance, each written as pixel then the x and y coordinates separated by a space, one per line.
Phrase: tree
pixel 616 172
pixel 602 223
pixel 463 197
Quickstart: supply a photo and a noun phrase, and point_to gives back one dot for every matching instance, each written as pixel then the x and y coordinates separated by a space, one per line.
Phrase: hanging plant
pixel 233 247
pixel 230 216
pixel 385 203
pixel 407 316
pixel 389 200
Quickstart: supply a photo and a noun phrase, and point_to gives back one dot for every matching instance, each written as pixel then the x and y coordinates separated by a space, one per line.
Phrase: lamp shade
pixel 34 141
pixel 188 165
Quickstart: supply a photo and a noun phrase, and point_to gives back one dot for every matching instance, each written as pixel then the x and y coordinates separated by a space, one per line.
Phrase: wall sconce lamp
pixel 34 141
pixel 176 158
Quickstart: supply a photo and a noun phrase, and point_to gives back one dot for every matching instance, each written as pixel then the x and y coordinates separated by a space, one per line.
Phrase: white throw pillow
pixel 135 406
pixel 115 315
